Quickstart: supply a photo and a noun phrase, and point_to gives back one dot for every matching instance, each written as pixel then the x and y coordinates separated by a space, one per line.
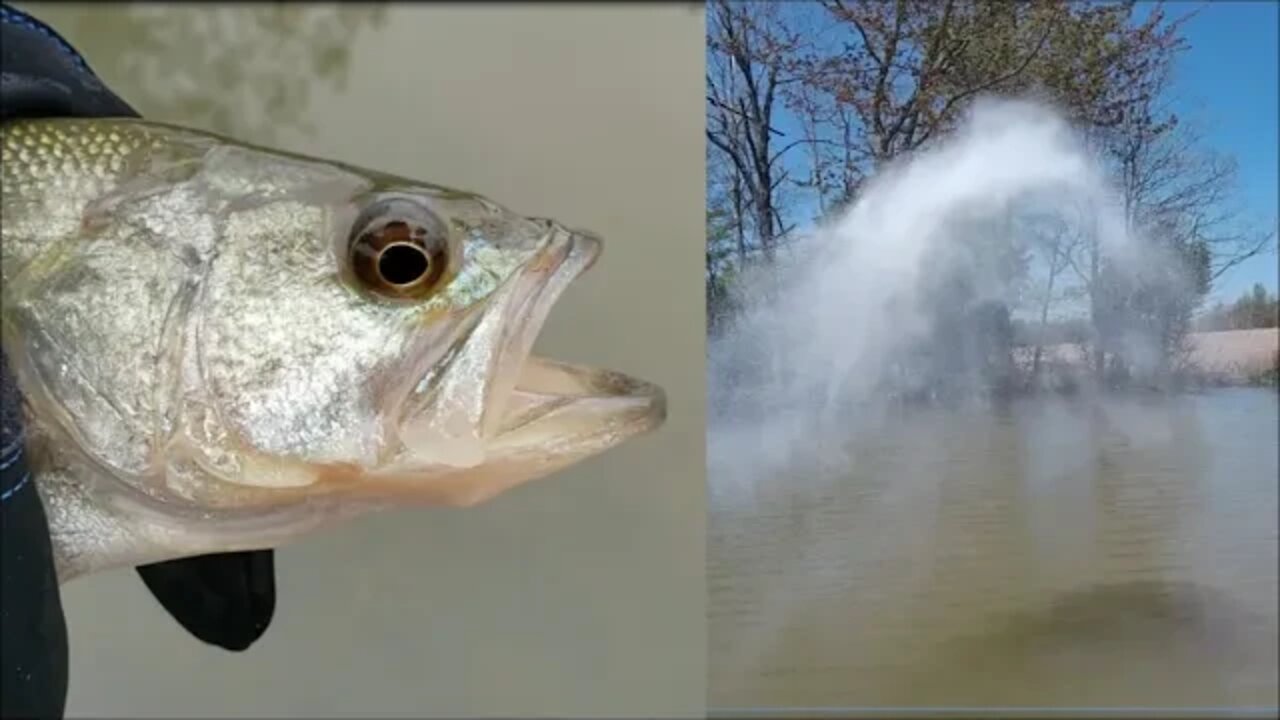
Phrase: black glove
pixel 225 599
pixel 33 633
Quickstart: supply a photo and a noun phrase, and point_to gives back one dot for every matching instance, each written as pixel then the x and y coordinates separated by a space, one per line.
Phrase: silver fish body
pixel 222 347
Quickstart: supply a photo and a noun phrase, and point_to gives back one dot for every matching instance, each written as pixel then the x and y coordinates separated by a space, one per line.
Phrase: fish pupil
pixel 402 264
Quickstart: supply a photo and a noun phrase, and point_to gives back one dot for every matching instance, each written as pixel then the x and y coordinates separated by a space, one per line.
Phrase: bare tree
pixel 747 54
pixel 813 113
pixel 1169 180
pixel 914 65
pixel 1175 197
pixel 1054 240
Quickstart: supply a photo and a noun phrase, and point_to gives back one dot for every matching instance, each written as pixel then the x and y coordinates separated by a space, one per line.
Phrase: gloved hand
pixel 226 599
pixel 33 633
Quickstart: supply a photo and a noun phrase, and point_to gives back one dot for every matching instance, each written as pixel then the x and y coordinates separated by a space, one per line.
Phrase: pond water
pixel 1102 553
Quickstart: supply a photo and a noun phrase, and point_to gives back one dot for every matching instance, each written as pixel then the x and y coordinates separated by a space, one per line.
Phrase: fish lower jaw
pixel 558 415
pixel 557 401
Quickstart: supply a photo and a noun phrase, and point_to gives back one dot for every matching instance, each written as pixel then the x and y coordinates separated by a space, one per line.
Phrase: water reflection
pixel 244 70
pixel 1058 554
pixel 1141 642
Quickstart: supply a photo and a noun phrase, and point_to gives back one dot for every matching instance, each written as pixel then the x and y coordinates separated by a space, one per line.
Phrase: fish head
pixel 233 345
pixel 380 349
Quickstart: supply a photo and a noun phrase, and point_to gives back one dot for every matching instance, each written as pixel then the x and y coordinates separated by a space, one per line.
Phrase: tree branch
pixel 999 80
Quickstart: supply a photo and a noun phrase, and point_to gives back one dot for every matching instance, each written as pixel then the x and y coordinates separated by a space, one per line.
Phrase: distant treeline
pixel 1254 309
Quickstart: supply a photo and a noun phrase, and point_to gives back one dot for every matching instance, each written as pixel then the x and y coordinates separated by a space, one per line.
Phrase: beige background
pixel 580 595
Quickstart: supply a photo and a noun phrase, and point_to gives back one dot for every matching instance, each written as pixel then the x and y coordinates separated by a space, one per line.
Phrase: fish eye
pixel 399 249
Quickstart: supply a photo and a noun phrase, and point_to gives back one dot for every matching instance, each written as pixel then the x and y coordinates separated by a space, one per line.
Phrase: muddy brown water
pixel 1062 553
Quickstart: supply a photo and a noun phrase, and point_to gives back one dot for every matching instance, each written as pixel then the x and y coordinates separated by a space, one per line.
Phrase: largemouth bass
pixel 222 347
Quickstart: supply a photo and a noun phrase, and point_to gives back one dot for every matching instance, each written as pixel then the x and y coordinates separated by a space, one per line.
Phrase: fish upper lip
pixel 540 284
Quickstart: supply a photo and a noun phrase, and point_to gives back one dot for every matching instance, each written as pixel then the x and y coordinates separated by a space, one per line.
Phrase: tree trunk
pixel 1044 320
pixel 739 220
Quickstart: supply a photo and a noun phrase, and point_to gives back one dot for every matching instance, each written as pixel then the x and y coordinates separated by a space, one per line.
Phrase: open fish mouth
pixel 487 407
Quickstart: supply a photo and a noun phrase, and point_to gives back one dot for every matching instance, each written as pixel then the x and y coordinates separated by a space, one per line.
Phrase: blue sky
pixel 1228 80
pixel 1226 83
